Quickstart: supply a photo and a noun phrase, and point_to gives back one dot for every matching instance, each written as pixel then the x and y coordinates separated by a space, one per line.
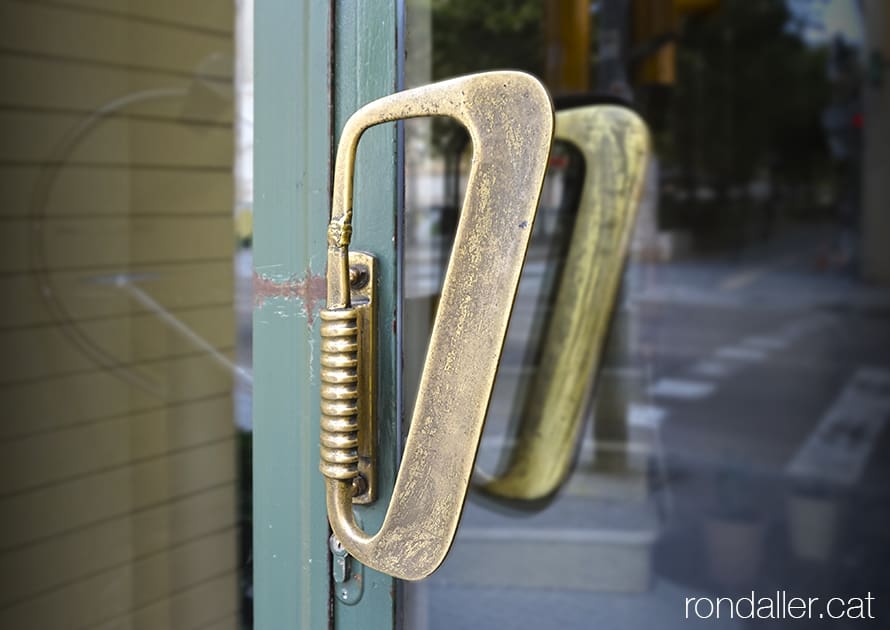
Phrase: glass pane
pixel 123 497
pixel 730 459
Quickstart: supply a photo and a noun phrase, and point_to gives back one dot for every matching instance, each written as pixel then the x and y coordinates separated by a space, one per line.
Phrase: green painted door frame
pixel 316 61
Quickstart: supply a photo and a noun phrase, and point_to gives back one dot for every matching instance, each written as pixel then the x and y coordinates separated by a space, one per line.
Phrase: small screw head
pixel 359 485
pixel 336 546
pixel 358 276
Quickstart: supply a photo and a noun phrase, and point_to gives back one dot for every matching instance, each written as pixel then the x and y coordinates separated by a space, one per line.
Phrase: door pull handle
pixel 509 117
pixel 614 144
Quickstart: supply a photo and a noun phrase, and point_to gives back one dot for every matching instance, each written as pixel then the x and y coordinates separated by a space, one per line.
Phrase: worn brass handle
pixel 509 116
pixel 614 143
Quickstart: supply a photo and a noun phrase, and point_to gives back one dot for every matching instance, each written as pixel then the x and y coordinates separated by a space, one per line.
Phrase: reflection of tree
pixel 469 36
pixel 746 105
pixel 748 101
pixel 472 36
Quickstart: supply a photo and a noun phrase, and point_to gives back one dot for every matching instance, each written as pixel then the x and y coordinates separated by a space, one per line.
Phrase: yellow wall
pixel 117 450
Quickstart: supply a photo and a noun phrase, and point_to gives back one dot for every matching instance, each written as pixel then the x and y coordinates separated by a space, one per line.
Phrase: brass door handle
pixel 614 143
pixel 509 117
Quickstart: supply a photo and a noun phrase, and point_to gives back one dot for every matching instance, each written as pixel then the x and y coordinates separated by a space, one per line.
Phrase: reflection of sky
pixel 820 20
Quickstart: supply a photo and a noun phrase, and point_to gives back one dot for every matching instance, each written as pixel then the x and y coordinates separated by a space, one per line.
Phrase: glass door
pixel 729 468
pixel 724 468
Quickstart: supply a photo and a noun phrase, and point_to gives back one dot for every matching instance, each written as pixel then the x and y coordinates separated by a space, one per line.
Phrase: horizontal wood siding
pixel 84 297
pixel 87 191
pixel 118 470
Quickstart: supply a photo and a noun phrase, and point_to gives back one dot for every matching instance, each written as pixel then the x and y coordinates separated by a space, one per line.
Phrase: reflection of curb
pixel 586 560
pixel 577 544
pixel 838 449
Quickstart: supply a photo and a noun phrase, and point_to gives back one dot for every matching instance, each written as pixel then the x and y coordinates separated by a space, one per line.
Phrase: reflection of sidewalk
pixel 467 608
pixel 752 361
pixel 720 285
pixel 785 272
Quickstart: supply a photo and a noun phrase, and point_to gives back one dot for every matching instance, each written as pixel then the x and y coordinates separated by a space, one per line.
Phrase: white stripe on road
pixel 741 353
pixel 646 416
pixel 681 388
pixel 765 343
pixel 712 368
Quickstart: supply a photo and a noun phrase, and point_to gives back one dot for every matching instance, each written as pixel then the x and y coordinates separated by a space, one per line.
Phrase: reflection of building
pixel 876 136
pixel 117 453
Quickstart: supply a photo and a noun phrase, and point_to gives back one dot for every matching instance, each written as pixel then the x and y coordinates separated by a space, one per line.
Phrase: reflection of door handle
pixel 614 144
pixel 509 117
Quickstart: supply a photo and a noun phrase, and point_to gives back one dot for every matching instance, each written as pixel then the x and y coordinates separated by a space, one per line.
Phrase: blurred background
pixel 736 426
pixel 733 438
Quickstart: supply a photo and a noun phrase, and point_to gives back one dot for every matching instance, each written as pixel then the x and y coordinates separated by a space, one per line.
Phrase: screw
pixel 359 485
pixel 358 276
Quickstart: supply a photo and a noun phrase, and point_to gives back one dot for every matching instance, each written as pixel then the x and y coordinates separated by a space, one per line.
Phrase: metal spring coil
pixel 339 393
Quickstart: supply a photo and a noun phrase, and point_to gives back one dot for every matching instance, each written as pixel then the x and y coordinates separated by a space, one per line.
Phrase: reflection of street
pixel 754 456
pixel 777 355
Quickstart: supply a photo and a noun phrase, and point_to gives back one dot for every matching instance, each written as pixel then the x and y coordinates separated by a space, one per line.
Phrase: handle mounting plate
pixel 363 290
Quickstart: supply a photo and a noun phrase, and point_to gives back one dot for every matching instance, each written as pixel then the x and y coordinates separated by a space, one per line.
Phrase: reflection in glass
pixel 735 434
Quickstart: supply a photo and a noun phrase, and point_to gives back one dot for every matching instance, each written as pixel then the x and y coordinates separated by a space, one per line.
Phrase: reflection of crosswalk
pixel 841 443
pixel 711 368
pixel 681 388
pixel 740 353
pixel 705 375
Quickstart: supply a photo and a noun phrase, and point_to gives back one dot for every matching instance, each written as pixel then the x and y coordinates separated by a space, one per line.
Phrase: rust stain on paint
pixel 310 290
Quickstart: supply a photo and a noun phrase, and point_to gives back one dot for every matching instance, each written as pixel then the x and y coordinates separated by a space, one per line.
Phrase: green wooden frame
pixel 299 105
pixel 365 68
